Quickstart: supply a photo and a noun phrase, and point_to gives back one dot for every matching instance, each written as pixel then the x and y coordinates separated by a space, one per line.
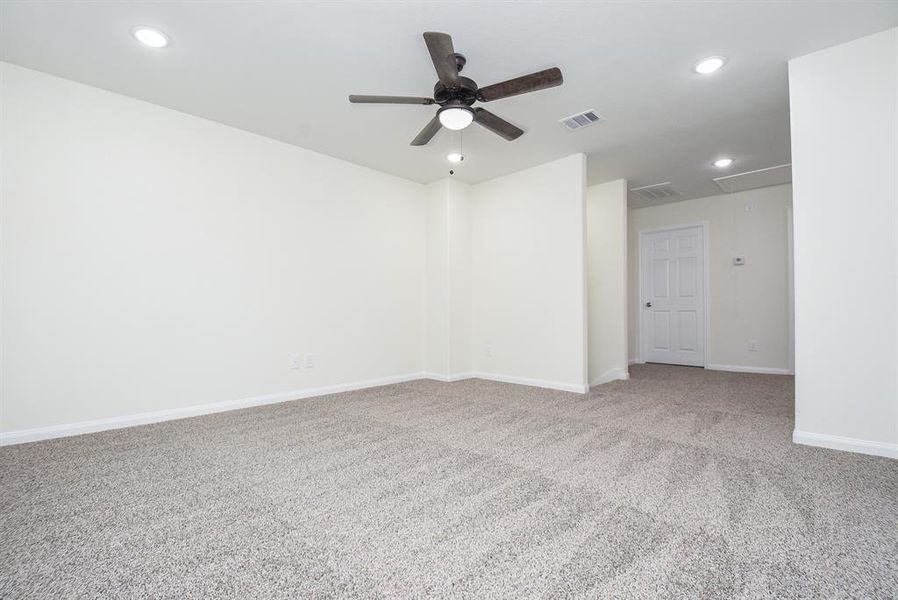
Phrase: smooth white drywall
pixel 460 265
pixel 448 276
pixel 844 102
pixel 528 275
pixel 748 302
pixel 437 278
pixel 152 260
pixel 606 234
pixel 157 265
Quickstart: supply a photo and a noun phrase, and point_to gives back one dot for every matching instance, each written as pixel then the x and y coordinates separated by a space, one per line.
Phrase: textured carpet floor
pixel 680 483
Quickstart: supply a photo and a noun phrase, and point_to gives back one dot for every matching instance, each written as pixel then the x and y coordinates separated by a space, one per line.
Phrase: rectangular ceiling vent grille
pixel 581 120
pixel 657 191
pixel 755 179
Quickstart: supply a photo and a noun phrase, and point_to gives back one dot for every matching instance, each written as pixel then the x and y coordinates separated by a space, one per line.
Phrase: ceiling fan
pixel 455 94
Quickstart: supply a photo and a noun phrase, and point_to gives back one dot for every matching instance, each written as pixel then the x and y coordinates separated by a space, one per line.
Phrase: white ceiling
pixel 285 69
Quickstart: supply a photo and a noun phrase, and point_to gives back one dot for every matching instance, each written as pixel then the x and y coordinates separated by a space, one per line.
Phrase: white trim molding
pixel 616 374
pixel 37 434
pixel 158 416
pixel 449 378
pixel 749 369
pixel 836 442
pixel 541 383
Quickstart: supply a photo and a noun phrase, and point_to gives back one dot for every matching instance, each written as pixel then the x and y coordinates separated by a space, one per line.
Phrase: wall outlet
pixel 488 352
pixel 308 361
pixel 295 361
pixel 753 345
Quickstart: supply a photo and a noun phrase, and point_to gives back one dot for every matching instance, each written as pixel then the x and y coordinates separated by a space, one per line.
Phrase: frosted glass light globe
pixel 456 118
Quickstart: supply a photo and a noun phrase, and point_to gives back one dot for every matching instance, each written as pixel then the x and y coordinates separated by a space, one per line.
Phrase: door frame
pixel 706 284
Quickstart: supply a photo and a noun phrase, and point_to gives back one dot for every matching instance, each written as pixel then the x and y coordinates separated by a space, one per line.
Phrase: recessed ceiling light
pixel 455 117
pixel 709 65
pixel 455 157
pixel 722 163
pixel 149 36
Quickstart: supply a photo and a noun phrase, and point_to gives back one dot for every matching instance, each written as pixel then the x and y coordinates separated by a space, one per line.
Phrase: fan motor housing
pixel 466 92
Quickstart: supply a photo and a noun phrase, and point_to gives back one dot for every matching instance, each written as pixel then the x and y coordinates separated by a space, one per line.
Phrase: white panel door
pixel 673 280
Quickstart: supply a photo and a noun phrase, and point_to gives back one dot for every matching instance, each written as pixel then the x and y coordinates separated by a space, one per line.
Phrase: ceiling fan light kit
pixel 455 117
pixel 456 94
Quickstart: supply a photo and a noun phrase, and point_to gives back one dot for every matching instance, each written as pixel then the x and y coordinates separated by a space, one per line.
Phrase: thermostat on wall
pixel 739 261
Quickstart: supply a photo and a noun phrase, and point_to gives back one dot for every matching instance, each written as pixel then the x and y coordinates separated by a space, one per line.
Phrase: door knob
pixel 648 305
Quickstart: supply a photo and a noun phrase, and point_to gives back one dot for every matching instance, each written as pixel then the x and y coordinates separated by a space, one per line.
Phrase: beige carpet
pixel 681 483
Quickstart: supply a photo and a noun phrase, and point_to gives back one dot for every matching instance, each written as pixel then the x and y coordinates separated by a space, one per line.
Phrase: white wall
pixel 157 265
pixel 448 279
pixel 460 267
pixel 528 278
pixel 844 102
pixel 606 232
pixel 152 260
pixel 436 336
pixel 748 302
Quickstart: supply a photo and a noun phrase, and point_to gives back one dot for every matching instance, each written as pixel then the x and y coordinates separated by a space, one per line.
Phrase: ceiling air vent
pixel 581 120
pixel 657 191
pixel 755 179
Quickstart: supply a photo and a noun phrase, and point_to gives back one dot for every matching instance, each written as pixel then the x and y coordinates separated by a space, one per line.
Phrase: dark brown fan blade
pixel 521 85
pixel 356 99
pixel 442 55
pixel 428 132
pixel 497 125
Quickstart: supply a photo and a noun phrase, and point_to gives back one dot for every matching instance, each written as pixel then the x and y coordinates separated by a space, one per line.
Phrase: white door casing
pixel 673 295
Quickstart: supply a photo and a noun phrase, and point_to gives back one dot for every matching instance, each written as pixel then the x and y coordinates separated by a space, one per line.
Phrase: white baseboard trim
pixel 616 374
pixel 157 416
pixel 745 369
pixel 37 434
pixel 635 361
pixel 836 442
pixel 449 378
pixel 541 383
